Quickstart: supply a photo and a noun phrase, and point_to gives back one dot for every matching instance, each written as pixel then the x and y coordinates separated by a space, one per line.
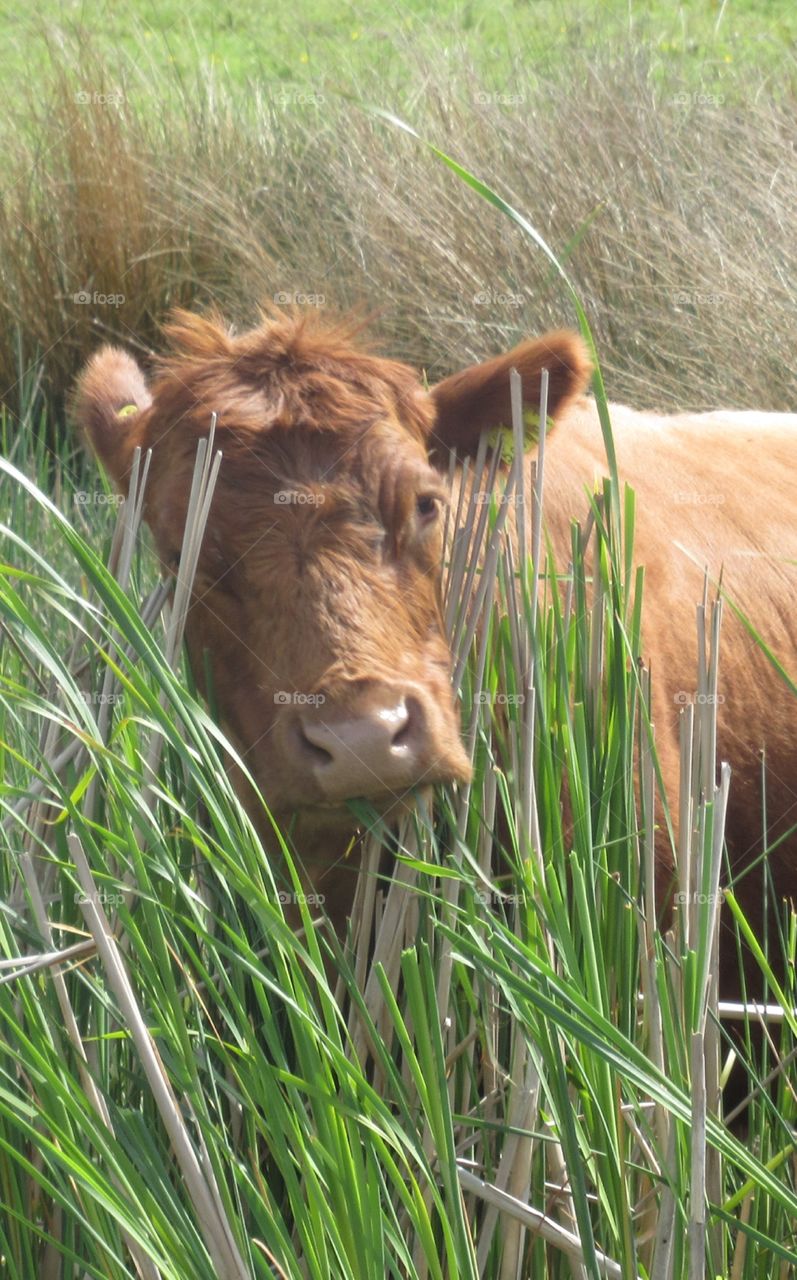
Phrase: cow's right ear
pixel 109 405
pixel 477 400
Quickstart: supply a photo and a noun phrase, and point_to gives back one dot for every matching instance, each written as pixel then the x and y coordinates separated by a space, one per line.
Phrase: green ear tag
pixel 127 410
pixel 503 438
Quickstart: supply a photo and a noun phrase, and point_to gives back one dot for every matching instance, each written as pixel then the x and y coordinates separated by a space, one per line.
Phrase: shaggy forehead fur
pixel 300 410
pixel 294 372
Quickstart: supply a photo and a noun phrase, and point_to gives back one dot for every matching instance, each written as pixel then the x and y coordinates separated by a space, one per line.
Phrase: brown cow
pixel 317 592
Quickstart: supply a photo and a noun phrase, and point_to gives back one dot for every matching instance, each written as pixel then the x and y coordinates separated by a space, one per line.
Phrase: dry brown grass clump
pixel 676 215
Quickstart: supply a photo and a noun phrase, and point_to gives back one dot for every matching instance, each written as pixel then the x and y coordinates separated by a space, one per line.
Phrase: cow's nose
pixel 373 750
pixel 385 742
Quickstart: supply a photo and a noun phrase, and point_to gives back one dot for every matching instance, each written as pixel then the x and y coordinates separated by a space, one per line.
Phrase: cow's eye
pixel 427 506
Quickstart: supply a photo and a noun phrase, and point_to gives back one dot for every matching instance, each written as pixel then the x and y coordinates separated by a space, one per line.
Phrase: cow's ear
pixel 109 405
pixel 478 398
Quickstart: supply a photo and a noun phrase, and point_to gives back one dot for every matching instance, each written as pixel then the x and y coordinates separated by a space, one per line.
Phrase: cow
pixel 316 605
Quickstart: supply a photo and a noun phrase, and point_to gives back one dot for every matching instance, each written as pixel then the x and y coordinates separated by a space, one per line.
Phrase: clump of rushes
pixel 504 1070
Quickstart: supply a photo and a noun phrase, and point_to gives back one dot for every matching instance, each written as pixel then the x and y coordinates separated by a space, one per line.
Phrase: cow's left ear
pixel 478 399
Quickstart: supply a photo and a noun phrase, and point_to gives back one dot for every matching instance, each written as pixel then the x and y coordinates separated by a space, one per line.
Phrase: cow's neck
pixel 327 851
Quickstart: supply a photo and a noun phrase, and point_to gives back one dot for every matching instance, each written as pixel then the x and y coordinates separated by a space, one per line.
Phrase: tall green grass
pixel 469 1087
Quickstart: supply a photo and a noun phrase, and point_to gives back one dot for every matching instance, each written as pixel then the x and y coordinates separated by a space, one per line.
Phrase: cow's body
pixel 331 597
pixel 714 491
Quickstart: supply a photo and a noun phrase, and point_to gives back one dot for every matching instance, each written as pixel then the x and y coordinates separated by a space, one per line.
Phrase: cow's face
pixel 316 604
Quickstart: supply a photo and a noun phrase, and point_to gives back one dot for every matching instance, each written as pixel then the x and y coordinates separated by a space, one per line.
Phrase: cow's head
pixel 316 603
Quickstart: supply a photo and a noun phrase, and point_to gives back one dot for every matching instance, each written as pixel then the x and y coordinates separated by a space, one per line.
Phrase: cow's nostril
pixel 404 724
pixel 314 752
pixel 391 726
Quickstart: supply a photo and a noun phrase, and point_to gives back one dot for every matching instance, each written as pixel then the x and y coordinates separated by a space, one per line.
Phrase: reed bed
pixel 513 1072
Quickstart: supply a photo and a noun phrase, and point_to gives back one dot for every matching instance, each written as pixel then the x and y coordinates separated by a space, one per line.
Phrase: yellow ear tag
pixel 352 843
pixel 127 410
pixel 503 438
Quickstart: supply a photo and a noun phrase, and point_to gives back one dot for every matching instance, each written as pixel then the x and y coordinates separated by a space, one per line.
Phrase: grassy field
pixel 325 43
pixel 480 1094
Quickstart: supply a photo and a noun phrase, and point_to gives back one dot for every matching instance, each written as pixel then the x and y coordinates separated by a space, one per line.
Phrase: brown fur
pixel 339 595
pixel 715 491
